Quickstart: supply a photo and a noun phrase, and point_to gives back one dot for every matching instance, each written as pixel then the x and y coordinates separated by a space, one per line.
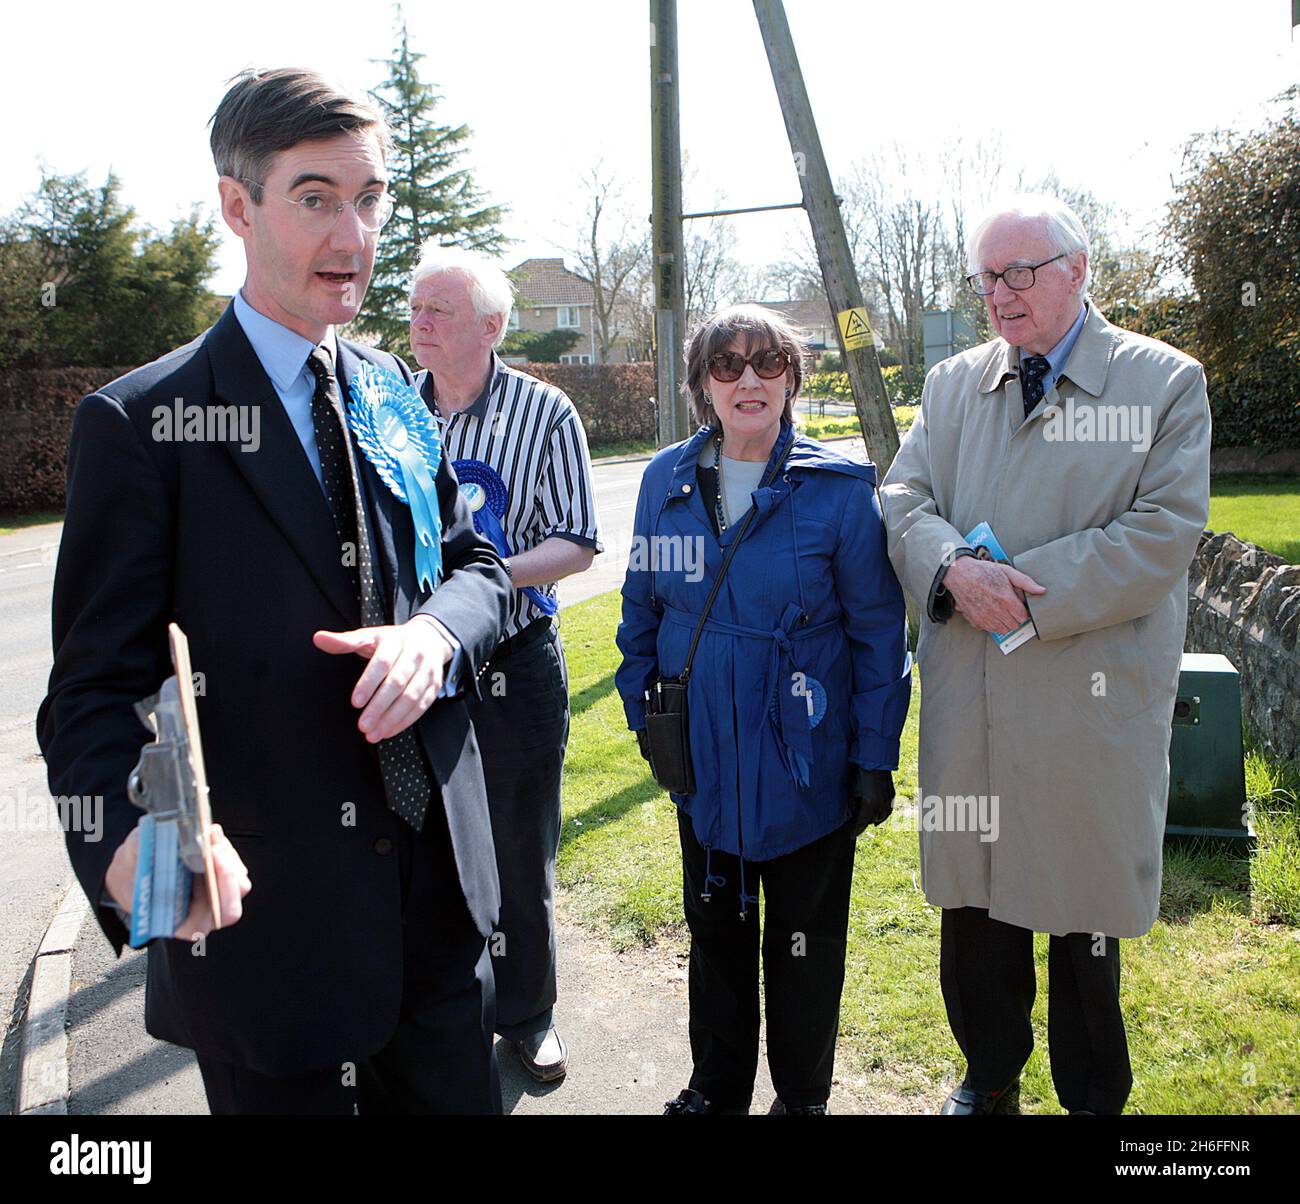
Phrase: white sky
pixel 1104 93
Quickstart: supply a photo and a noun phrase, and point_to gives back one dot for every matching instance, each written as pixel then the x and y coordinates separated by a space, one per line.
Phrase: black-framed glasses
pixel 727 366
pixel 318 211
pixel 1018 277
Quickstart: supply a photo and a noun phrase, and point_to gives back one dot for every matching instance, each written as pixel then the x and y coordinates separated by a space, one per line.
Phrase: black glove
pixel 871 795
pixel 643 743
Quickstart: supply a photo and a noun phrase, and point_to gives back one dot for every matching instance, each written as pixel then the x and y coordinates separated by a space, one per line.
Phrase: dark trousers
pixel 440 1058
pixel 805 928
pixel 986 969
pixel 522 726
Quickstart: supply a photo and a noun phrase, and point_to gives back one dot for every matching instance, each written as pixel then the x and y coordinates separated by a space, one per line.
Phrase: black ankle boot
pixel 966 1101
pixel 693 1103
pixel 780 1109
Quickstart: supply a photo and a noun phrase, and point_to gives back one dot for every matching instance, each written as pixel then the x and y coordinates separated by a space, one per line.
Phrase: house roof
pixel 809 314
pixel 549 282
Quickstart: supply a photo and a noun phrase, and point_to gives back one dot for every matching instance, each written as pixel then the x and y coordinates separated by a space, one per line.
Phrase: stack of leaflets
pixel 171 785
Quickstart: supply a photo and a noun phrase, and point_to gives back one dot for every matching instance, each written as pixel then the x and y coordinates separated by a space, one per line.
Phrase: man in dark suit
pixel 357 969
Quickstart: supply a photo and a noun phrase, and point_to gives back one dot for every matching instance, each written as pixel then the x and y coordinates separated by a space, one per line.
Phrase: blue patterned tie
pixel 1032 370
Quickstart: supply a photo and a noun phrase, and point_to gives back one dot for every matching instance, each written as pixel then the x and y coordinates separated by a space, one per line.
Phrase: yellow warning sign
pixel 855 328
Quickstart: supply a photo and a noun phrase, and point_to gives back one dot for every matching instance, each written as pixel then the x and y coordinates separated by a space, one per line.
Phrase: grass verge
pixel 11 521
pixel 837 427
pixel 1211 995
pixel 1260 510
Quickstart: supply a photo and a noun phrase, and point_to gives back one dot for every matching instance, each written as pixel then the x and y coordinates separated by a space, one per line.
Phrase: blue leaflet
pixel 162 883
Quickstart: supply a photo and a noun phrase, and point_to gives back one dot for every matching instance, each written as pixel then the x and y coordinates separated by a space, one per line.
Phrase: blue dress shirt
pixel 283 355
pixel 1059 355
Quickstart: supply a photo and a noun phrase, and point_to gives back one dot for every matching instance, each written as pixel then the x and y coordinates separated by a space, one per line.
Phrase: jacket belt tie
pixel 789 713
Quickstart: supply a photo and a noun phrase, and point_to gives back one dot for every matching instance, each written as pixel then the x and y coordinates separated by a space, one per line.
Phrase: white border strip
pixel 43 1083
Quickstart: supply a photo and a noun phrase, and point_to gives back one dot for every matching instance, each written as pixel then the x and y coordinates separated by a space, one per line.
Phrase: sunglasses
pixel 727 366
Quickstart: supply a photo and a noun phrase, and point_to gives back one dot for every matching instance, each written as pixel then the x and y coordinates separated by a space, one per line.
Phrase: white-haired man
pixel 1086 449
pixel 520 453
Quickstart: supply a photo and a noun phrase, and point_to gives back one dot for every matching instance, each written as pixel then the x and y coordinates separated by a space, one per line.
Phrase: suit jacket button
pixel 686 489
pixel 383 846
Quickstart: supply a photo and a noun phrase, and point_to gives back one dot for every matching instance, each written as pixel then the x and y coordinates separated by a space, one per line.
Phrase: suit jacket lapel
pixel 279 472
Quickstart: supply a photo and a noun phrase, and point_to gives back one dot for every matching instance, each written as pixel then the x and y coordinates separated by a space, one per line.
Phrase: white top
pixel 739 480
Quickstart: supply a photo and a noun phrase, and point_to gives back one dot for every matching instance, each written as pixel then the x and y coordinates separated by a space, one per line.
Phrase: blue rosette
pixel 398 435
pixel 487 496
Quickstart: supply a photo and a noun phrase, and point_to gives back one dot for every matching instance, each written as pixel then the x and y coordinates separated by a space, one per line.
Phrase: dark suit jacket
pixel 239 548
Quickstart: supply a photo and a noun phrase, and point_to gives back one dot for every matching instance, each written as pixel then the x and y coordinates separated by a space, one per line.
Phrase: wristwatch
pixel 940 605
pixel 506 565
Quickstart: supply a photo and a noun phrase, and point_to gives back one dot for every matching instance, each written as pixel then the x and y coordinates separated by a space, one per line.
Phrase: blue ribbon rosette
pixel 483 489
pixel 400 438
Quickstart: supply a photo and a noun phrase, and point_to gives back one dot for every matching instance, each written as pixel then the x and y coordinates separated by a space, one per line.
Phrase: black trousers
pixel 805 929
pixel 986 970
pixel 440 1058
pixel 522 726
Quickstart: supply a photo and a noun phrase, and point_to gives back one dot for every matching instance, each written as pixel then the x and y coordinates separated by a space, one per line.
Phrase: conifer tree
pixel 435 198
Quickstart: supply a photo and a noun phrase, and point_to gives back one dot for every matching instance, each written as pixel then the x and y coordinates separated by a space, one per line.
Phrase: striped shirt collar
pixel 424 382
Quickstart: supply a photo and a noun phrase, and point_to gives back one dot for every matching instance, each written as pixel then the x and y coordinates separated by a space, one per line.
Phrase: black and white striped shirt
pixel 530 434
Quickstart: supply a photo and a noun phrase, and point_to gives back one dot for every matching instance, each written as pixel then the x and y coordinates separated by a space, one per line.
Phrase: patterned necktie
pixel 406 781
pixel 1032 370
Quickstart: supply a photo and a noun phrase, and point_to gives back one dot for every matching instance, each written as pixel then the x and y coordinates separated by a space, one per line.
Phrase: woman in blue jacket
pixel 797 695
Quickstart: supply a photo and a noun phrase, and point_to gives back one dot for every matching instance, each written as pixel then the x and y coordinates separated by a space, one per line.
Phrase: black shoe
pixel 780 1109
pixel 545 1056
pixel 966 1101
pixel 693 1103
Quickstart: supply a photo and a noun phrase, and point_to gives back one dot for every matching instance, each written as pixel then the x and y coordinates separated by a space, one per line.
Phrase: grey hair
pixel 489 287
pixel 1060 223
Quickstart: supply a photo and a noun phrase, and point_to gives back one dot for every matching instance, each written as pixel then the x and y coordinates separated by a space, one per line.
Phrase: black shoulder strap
pixel 726 563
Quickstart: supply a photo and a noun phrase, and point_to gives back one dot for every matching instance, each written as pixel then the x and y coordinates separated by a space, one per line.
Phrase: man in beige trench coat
pixel 1086 449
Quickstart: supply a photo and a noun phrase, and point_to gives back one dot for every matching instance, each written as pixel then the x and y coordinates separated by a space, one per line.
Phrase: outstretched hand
pixel 408 664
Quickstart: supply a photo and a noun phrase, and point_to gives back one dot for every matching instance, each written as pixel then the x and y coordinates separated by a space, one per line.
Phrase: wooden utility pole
pixel 857 343
pixel 666 223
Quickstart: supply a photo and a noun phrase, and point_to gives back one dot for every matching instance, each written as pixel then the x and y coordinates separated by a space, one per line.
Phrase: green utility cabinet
pixel 1207 769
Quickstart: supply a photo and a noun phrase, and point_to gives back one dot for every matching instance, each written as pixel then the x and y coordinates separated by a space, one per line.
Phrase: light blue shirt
pixel 283 355
pixel 1059 355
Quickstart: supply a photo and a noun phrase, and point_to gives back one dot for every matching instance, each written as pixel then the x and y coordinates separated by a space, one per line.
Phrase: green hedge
pixel 835 386
pixel 613 400
pixel 36 409
pixel 1254 394
pixel 37 405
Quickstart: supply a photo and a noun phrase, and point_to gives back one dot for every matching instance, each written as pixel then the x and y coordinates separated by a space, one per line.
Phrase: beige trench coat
pixel 1070 732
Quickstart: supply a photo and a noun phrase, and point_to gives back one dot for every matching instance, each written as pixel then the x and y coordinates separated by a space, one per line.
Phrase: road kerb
pixel 43 1062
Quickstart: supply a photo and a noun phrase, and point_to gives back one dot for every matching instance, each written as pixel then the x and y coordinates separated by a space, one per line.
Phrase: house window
pixel 575 359
pixel 568 317
pixel 514 320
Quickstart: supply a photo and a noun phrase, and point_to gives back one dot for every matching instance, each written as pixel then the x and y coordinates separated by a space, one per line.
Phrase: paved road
pixel 627 1012
pixel 34 870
